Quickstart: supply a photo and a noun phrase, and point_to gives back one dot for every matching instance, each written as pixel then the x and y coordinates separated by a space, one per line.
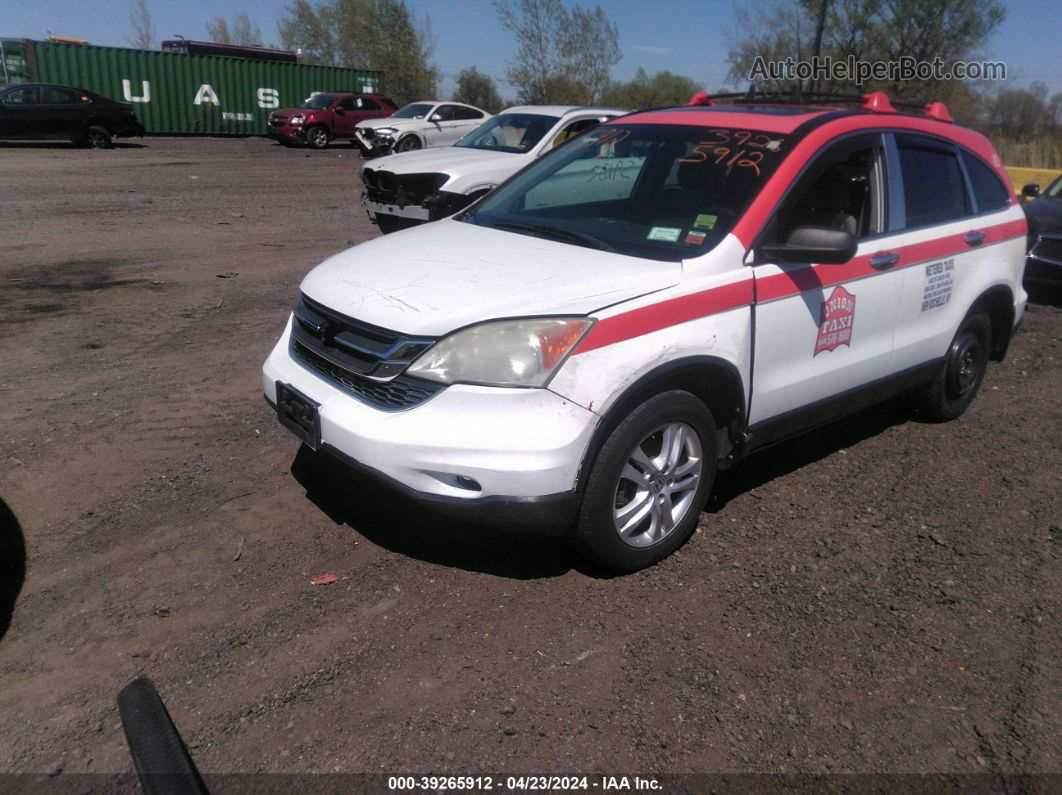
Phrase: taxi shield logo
pixel 836 319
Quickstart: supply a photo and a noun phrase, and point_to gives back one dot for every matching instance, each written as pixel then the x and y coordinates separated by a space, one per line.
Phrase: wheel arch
pixel 715 381
pixel 998 303
pixel 99 121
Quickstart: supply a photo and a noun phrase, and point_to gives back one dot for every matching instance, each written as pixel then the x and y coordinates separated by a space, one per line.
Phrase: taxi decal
pixel 836 318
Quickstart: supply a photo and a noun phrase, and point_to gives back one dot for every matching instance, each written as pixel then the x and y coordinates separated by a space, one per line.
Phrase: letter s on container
pixel 268 98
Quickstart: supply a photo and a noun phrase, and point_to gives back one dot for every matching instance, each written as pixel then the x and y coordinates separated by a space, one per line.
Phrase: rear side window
pixel 22 96
pixel 988 190
pixel 934 191
pixel 368 104
pixel 463 114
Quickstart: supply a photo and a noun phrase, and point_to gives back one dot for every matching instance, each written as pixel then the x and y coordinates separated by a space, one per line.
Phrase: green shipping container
pixel 178 93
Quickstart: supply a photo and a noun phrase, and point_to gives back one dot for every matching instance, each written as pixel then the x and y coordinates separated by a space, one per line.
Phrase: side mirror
pixel 435 117
pixel 813 244
pixel 1031 191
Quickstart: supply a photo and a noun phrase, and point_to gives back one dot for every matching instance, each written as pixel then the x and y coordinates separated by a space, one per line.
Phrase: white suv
pixel 411 188
pixel 583 348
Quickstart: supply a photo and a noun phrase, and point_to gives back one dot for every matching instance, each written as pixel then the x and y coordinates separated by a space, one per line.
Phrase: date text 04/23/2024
pixel 523 783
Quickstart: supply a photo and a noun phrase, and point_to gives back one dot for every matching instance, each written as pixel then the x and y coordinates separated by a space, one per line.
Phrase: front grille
pixel 276 122
pixel 364 360
pixel 401 189
pixel 402 393
pixel 1048 248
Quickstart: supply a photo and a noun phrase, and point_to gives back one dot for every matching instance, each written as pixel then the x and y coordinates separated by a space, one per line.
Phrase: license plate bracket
pixel 299 414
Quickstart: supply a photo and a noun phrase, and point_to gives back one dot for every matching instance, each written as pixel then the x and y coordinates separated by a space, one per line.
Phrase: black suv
pixel 38 110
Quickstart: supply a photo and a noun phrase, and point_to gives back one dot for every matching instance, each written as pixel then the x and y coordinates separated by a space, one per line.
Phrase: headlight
pixel 503 352
pixel 386 130
pixel 296 119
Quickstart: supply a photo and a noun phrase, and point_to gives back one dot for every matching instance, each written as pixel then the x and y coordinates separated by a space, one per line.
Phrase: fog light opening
pixel 465 482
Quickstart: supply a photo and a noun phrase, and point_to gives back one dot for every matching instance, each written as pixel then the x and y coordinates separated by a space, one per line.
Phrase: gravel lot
pixel 883 596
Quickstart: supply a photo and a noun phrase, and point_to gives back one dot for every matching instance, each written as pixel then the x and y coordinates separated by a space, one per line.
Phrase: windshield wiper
pixel 553 231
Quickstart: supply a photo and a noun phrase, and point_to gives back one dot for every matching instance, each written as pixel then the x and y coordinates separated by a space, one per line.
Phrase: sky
pixel 689 37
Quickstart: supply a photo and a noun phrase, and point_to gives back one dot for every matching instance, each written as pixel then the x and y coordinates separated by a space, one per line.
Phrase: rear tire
pixel 97 137
pixel 317 137
pixel 964 368
pixel 649 482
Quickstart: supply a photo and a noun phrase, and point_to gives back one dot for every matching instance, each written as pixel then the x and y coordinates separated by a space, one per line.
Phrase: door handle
pixel 886 259
pixel 975 237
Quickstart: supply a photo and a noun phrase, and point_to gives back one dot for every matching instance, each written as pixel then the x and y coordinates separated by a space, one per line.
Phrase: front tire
pixel 647 486
pixel 317 137
pixel 408 144
pixel 97 137
pixel 964 368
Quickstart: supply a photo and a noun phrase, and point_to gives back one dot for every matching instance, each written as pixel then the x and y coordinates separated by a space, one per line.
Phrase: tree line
pixel 564 54
pixel 1023 123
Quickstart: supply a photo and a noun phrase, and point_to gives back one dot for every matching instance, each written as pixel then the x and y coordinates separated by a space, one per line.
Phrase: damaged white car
pixel 418 125
pixel 407 189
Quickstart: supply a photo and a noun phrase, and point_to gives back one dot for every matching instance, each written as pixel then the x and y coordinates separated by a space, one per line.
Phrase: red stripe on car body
pixel 810 277
pixel 673 311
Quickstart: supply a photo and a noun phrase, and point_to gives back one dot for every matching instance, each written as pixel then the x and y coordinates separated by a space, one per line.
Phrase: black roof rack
pixel 804 98
pixel 874 102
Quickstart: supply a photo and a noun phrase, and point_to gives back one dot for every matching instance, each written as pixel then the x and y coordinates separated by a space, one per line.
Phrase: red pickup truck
pixel 327 116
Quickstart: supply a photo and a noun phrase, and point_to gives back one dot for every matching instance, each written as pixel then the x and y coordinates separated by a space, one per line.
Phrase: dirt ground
pixel 881 597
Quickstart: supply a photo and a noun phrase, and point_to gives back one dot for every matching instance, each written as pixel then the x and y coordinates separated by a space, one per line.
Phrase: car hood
pixel 391 121
pixel 438 277
pixel 1044 215
pixel 444 160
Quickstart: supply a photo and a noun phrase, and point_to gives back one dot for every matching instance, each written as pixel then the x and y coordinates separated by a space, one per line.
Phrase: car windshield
pixel 1054 190
pixel 319 102
pixel 509 132
pixel 655 191
pixel 416 110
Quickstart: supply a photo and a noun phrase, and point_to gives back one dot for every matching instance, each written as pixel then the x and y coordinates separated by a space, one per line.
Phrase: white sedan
pixel 418 125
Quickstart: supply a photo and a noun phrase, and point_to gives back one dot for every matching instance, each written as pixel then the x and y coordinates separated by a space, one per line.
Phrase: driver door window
pixel 823 330
pixel 843 192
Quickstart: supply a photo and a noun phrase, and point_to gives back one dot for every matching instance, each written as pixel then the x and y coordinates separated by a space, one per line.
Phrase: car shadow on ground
pixel 390 520
pixel 12 565
pixel 64 145
pixel 799 451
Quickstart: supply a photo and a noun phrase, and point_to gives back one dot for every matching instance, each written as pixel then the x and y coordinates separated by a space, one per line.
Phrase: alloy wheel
pixel 657 485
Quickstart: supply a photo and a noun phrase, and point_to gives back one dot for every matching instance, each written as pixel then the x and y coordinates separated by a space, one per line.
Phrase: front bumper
pixel 413 212
pixel 522 447
pixel 286 133
pixel 132 128
pixel 373 146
